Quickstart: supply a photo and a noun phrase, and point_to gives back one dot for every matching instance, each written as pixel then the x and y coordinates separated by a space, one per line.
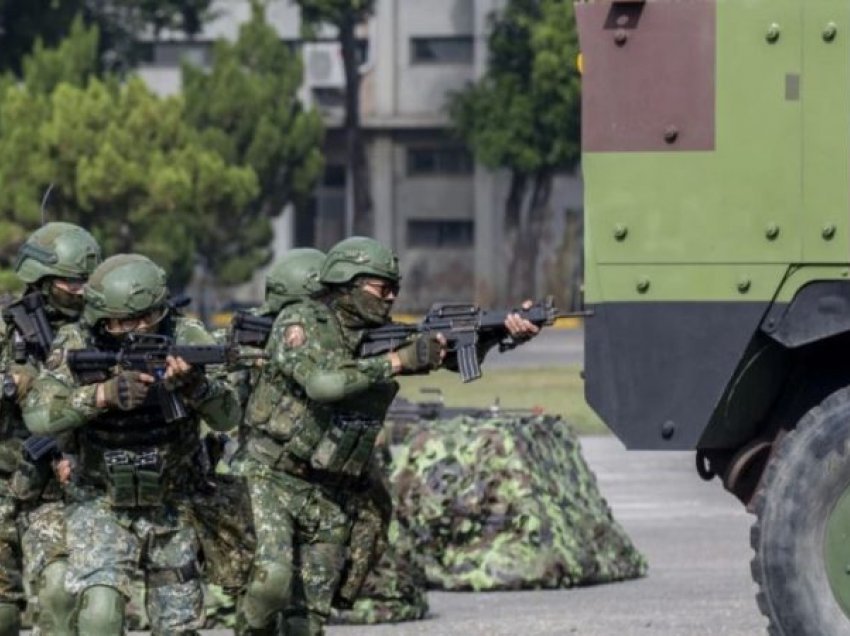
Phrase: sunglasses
pixel 382 288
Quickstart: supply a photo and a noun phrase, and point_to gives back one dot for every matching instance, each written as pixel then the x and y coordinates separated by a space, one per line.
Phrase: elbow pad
pixel 331 386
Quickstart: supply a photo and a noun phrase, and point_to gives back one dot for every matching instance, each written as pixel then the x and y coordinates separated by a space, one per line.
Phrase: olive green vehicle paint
pixel 716 160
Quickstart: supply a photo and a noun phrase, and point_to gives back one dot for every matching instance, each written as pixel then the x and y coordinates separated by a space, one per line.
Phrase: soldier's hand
pixel 182 376
pixel 423 353
pixel 518 327
pixel 63 468
pixel 126 391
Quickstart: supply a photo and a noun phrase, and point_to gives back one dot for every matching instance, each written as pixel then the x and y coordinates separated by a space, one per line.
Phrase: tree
pixel 523 116
pixel 246 108
pixel 121 161
pixel 120 23
pixel 345 15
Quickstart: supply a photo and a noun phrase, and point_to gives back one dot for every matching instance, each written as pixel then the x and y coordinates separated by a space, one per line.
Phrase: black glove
pixel 423 353
pixel 126 391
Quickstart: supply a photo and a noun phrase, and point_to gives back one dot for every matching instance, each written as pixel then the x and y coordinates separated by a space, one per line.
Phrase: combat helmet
pixel 123 286
pixel 57 249
pixel 359 256
pixel 295 275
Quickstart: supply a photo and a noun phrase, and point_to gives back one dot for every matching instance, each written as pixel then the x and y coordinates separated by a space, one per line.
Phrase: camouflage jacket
pixel 12 429
pixel 315 402
pixel 59 402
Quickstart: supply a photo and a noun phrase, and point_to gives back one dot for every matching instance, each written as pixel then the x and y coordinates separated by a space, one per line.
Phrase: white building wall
pixel 403 104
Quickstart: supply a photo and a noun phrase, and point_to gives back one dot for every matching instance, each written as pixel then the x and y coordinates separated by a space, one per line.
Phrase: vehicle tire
pixel 801 537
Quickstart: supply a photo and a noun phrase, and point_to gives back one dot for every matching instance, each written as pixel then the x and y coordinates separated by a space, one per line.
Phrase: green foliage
pixel 524 113
pixel 123 163
pixel 120 22
pixel 73 61
pixel 246 108
pixel 335 12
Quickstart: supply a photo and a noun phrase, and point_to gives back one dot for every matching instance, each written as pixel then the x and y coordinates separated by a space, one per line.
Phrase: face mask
pixel 66 302
pixel 365 309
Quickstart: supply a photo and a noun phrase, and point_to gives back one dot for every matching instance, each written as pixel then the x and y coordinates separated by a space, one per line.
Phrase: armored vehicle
pixel 717 174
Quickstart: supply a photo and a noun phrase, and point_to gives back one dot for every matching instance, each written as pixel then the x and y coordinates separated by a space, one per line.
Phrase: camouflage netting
pixel 508 503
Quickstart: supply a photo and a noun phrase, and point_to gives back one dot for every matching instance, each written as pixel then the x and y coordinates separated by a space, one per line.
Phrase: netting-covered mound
pixel 507 502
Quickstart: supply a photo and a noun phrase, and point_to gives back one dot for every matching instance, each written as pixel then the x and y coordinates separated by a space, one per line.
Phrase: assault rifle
pixel 250 330
pixel 147 353
pixel 464 326
pixel 33 334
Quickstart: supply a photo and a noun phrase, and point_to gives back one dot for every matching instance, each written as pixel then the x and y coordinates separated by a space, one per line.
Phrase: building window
pixel 439 160
pixel 442 50
pixel 440 233
pixel 174 53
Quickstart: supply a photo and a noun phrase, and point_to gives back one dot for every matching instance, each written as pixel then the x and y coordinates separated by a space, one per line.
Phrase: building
pixel 432 203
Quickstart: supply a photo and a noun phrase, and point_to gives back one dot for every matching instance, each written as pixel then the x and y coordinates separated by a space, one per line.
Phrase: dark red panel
pixel 649 74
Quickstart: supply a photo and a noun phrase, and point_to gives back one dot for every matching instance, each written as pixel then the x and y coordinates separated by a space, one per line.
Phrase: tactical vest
pixel 137 457
pixel 317 441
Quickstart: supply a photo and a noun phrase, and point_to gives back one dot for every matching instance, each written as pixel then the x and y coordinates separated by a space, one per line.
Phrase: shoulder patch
pixel 294 336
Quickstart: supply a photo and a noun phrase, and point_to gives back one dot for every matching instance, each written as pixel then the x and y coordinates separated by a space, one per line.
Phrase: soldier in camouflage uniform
pixel 313 419
pixel 137 473
pixel 294 277
pixel 53 263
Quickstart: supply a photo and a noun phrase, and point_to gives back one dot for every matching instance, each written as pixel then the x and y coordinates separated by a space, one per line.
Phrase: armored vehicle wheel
pixel 802 535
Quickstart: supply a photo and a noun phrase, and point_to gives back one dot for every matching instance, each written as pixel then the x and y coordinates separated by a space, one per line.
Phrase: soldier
pixel 53 263
pixel 292 278
pixel 137 472
pixel 312 421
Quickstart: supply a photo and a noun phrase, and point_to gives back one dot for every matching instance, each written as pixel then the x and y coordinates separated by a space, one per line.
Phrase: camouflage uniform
pixel 31 524
pixel 137 474
pixel 312 421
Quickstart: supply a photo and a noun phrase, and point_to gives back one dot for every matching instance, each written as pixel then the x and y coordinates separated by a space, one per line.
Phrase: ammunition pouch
pixel 337 459
pixel 347 445
pixel 134 480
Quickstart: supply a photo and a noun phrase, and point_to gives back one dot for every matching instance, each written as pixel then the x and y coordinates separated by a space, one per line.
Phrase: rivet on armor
pixel 772 35
pixel 668 429
pixel 671 134
pixel 620 37
pixel 771 231
pixel 829 32
pixel 620 231
pixel 828 231
pixel 744 285
pixel 642 285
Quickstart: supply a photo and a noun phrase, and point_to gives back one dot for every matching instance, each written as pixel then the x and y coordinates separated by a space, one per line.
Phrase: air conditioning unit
pixel 323 66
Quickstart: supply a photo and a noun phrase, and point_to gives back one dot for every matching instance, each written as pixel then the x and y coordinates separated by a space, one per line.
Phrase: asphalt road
pixel 693 533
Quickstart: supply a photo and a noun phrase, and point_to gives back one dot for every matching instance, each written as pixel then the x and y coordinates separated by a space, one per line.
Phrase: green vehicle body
pixel 700 242
pixel 716 160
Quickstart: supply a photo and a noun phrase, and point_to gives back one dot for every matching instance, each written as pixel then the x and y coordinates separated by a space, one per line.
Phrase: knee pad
pixel 55 604
pixel 10 619
pixel 268 593
pixel 101 612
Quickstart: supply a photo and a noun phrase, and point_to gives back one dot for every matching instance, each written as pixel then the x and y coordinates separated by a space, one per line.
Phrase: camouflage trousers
pixel 43 540
pixel 108 546
pixel 303 530
pixel 370 511
pixel 11 576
